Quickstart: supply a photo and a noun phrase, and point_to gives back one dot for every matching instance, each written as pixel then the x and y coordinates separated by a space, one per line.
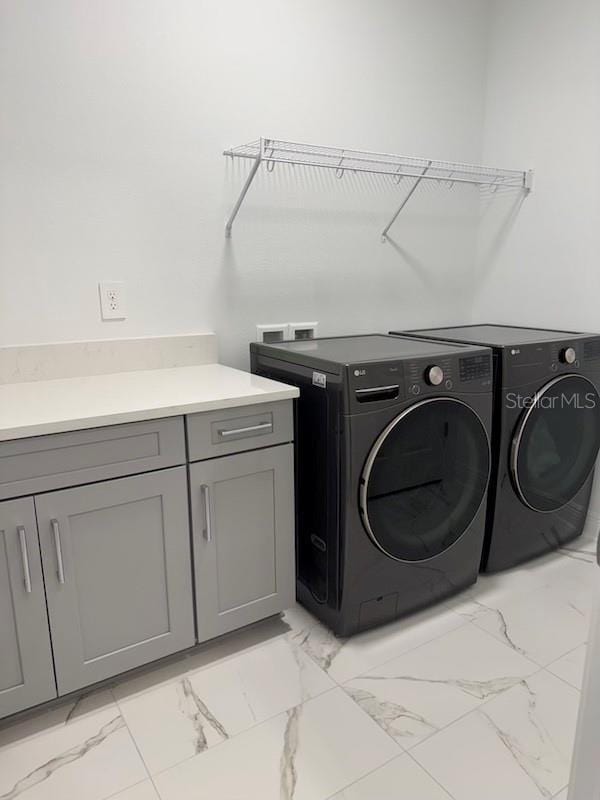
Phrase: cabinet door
pixel 26 670
pixel 243 535
pixel 117 566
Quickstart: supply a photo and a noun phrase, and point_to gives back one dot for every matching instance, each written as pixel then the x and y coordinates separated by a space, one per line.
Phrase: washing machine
pixel 392 458
pixel 546 434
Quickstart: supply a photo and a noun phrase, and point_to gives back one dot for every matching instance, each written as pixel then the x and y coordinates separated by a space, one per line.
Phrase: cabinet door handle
pixel 263 426
pixel 207 518
pixel 60 570
pixel 24 558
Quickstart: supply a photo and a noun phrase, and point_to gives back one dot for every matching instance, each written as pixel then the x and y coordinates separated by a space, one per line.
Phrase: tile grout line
pixel 477 710
pixel 496 728
pixel 387 660
pixel 362 710
pixel 486 702
pixel 449 607
pixel 126 789
pixel 433 778
pixel 338 684
pixel 465 622
pixel 506 644
pixel 431 736
pixel 471 711
pixel 287 637
pixel 148 669
pixel 568 653
pixel 368 716
pixel 38 713
pixel 366 775
pixel 135 744
pixel 447 633
pixel 385 764
pixel 562 680
pixel 241 733
pixel 334 688
pixel 529 657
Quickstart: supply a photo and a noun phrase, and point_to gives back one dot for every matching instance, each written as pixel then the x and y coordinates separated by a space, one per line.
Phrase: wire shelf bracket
pixel 342 160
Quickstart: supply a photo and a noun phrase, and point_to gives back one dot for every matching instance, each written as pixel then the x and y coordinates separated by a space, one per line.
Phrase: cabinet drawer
pixel 43 463
pixel 234 430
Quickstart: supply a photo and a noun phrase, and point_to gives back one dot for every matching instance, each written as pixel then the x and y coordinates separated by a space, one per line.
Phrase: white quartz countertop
pixel 66 404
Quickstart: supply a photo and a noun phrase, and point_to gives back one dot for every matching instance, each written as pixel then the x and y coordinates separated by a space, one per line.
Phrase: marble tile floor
pixel 475 698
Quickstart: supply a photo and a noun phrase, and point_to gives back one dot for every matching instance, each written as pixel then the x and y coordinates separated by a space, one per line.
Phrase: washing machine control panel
pixel 568 355
pixel 434 375
pixel 377 382
pixel 475 368
pixel 390 381
pixel 427 375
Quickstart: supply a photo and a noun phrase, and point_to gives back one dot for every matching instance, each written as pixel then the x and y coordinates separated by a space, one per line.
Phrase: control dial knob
pixel 434 375
pixel 568 355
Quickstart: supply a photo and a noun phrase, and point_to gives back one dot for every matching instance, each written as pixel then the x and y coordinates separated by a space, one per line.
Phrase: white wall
pixel 114 116
pixel 539 265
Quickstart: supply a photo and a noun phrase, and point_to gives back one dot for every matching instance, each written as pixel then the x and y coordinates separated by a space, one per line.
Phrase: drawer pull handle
pixel 60 570
pixel 263 426
pixel 207 532
pixel 24 558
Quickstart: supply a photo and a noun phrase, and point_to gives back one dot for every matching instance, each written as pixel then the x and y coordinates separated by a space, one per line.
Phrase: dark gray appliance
pixel 545 440
pixel 392 465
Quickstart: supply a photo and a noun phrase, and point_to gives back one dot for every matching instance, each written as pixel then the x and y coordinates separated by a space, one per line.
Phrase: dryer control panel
pixel 526 363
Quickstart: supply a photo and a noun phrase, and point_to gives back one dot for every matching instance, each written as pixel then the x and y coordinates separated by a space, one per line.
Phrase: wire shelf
pixel 342 160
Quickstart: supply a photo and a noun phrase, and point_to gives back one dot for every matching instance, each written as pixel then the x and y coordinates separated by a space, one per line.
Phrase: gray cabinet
pixel 26 671
pixel 117 567
pixel 243 538
pixel 235 430
pixel 97 574
pixel 43 463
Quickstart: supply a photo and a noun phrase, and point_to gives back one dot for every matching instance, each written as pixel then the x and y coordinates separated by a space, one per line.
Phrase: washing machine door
pixel 556 442
pixel 424 479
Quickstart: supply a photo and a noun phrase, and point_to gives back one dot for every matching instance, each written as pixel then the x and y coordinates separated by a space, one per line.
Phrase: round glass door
pixel 556 442
pixel 425 479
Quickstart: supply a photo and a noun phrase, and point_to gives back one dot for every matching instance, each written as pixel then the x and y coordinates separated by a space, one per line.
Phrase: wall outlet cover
pixel 112 300
pixel 303 330
pixel 275 332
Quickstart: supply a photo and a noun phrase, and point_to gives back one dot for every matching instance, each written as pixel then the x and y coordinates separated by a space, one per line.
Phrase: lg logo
pixel 359 372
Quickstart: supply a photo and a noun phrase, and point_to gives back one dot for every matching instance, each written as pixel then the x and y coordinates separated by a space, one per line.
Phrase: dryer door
pixel 425 478
pixel 556 442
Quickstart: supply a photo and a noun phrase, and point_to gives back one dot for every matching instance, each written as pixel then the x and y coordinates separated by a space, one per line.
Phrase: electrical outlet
pixel 112 300
pixel 272 333
pixel 302 330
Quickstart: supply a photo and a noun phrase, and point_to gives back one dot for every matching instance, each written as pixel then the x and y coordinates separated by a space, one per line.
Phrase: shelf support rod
pixel 384 235
pixel 244 191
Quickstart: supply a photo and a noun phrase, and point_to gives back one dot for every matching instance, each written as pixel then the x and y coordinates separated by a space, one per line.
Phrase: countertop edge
pixel 143 414
pixel 273 392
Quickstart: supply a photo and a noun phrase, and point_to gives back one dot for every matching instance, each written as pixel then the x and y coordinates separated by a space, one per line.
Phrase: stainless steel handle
pixel 24 558
pixel 60 570
pixel 377 389
pixel 207 518
pixel 263 426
